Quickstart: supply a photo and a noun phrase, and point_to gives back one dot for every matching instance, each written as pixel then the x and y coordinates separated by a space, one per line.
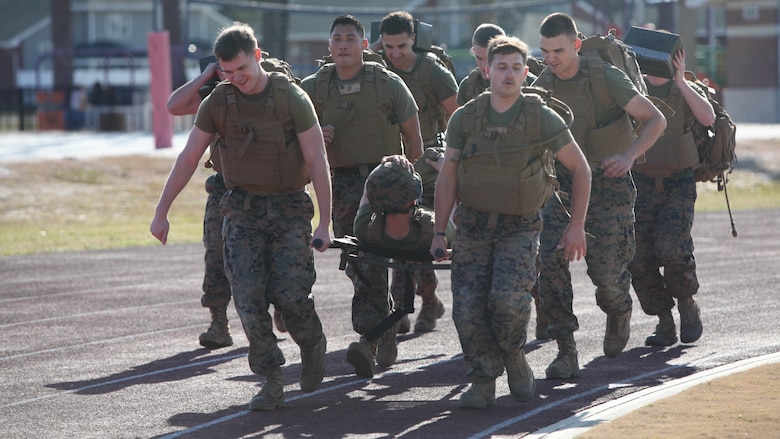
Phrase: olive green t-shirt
pixel 301 108
pixel 363 218
pixel 552 125
pixel 409 242
pixel 402 101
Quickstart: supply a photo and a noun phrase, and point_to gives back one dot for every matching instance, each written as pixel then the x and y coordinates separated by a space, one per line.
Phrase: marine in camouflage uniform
pixel 185 100
pixel 472 85
pixel 498 154
pixel 477 81
pixel 391 218
pixel 434 89
pixel 425 281
pixel 341 91
pixel 270 147
pixel 666 196
pixel 605 133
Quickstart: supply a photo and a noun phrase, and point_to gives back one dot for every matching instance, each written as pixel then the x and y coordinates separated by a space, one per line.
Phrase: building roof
pixel 20 18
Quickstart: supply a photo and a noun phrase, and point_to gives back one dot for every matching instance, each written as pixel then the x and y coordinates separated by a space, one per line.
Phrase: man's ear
pixel 577 44
pixel 365 43
pixel 258 54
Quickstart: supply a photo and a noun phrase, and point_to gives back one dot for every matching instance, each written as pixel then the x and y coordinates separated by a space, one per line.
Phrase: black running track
pixel 104 345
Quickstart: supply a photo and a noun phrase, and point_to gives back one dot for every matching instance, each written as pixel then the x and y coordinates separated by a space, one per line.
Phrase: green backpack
pixel 716 144
pixel 610 49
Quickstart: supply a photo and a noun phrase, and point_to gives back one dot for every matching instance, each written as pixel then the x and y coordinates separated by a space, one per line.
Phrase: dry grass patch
pixel 108 202
pixel 743 405
pixel 65 205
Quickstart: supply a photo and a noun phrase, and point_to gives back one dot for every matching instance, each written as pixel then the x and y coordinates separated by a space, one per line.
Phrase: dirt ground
pixel 742 405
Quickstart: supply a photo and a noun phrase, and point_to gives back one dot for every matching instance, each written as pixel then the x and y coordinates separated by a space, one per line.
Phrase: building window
pixel 118 26
pixel 750 13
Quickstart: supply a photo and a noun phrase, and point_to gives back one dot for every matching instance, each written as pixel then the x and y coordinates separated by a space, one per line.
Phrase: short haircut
pixel 505 45
pixel 396 23
pixel 236 38
pixel 349 20
pixel 557 24
pixel 484 33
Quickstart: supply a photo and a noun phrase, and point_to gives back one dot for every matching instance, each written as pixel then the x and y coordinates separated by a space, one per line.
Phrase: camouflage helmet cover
pixel 390 187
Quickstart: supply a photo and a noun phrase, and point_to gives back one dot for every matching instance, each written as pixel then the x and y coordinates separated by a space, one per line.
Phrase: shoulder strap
pixel 474 118
pixel 378 74
pixel 424 218
pixel 280 87
pixel 322 88
pixel 532 110
pixel 598 78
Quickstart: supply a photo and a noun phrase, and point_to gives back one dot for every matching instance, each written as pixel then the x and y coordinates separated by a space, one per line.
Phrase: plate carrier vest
pixel 505 169
pixel 597 143
pixel 259 152
pixel 473 85
pixel 366 129
pixel 431 114
pixel 676 149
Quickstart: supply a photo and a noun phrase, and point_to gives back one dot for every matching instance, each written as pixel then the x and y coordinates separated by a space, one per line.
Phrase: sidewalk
pixel 20 146
pixel 52 145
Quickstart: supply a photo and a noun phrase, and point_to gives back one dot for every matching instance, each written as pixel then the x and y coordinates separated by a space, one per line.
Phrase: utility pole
pixel 171 18
pixel 62 41
pixel 274 39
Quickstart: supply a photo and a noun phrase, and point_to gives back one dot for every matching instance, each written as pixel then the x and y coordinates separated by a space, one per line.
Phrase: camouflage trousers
pixel 371 302
pixel 268 261
pixel 493 270
pixel 663 239
pixel 611 247
pixel 216 288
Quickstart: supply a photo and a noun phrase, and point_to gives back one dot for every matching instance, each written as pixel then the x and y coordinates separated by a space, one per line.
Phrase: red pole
pixel 160 87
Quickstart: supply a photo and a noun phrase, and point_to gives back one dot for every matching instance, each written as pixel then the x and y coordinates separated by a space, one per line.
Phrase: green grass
pixel 745 191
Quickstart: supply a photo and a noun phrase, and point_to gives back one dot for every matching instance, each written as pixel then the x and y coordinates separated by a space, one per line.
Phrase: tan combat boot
pixel 665 332
pixel 431 310
pixel 617 333
pixel 272 395
pixel 387 350
pixel 313 365
pixel 362 356
pixel 522 385
pixel 480 395
pixel 218 334
pixel 690 320
pixel 565 364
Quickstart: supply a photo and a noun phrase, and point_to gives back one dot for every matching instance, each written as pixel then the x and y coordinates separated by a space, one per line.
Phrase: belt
pixel 249 196
pixel 659 181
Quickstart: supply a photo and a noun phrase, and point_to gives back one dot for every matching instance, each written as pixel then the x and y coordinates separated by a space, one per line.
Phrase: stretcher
pixel 354 253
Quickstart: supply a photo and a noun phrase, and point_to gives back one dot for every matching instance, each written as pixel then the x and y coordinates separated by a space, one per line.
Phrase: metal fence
pixel 124 109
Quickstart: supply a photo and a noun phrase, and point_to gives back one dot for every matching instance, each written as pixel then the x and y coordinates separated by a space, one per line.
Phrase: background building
pixel 54 52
